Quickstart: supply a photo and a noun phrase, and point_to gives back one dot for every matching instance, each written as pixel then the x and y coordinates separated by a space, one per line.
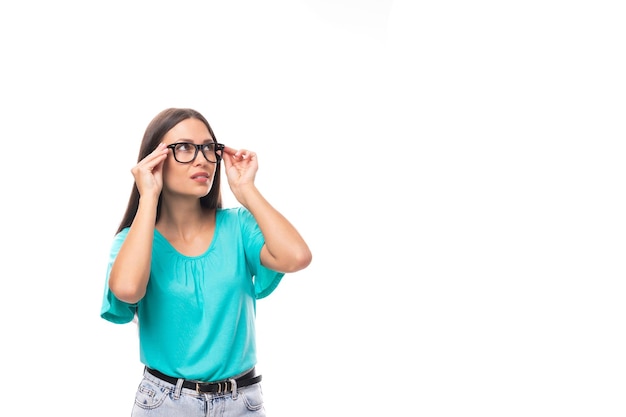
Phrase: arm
pixel 130 271
pixel 284 250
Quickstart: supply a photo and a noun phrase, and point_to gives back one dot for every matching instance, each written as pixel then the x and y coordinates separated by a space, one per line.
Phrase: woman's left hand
pixel 240 166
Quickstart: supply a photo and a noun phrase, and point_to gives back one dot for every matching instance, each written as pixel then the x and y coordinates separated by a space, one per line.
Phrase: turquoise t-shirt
pixel 197 318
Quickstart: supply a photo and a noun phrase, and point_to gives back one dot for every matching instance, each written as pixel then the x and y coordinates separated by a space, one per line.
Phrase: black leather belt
pixel 214 387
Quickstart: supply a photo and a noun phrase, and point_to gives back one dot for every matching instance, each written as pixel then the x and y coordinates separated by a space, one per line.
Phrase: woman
pixel 190 270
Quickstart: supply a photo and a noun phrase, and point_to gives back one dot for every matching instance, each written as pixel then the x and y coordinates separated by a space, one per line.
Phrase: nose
pixel 200 155
pixel 197 161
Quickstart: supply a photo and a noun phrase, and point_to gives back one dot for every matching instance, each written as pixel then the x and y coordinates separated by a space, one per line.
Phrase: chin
pixel 205 193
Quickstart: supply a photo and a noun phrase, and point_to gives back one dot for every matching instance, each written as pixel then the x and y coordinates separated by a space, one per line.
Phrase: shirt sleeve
pixel 265 279
pixel 113 309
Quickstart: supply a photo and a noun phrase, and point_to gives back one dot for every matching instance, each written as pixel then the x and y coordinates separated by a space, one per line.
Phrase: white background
pixel 456 167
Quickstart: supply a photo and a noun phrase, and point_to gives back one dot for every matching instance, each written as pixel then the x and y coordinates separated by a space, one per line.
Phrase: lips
pixel 200 176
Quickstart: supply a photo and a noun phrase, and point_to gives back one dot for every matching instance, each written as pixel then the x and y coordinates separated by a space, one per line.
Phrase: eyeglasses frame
pixel 218 147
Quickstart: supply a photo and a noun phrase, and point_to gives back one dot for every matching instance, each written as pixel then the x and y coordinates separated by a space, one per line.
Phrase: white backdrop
pixel 457 168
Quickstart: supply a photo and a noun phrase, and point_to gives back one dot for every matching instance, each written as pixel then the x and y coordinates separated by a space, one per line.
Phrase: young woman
pixel 189 271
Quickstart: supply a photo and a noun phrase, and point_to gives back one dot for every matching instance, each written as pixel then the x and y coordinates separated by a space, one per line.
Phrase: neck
pixel 184 220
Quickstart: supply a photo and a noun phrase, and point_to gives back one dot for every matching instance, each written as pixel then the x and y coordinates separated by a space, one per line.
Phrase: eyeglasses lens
pixel 187 152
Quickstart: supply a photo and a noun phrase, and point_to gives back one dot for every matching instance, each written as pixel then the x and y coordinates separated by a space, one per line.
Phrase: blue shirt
pixel 197 319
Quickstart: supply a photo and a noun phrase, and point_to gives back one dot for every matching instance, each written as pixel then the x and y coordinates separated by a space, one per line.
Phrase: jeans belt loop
pixel 179 388
pixel 233 388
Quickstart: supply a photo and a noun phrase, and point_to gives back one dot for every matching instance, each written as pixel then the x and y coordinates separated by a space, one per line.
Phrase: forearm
pixel 285 250
pixel 131 270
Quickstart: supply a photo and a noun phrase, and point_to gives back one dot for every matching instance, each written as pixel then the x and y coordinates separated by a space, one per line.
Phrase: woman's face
pixel 193 176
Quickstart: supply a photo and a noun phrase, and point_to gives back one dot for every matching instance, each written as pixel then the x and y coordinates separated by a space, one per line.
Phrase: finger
pixel 162 149
pixel 238 154
pixel 244 154
pixel 155 157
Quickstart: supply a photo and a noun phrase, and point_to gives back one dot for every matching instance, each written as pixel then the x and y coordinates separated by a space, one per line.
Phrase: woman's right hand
pixel 148 172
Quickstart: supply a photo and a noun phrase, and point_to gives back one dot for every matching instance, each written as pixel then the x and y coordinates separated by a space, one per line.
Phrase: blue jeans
pixel 158 398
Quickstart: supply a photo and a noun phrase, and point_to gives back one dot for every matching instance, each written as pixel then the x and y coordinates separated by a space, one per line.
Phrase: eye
pixel 210 147
pixel 184 147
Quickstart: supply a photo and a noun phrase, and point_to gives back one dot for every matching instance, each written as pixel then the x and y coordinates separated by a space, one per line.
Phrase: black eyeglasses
pixel 185 152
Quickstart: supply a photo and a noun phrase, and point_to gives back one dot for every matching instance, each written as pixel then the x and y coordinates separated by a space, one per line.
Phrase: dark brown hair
pixel 158 127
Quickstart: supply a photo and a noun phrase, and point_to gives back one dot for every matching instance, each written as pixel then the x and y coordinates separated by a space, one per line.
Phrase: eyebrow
pixel 185 140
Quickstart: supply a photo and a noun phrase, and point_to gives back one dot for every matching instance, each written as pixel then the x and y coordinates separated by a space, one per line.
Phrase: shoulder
pixel 121 236
pixel 239 214
pixel 118 239
pixel 237 218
